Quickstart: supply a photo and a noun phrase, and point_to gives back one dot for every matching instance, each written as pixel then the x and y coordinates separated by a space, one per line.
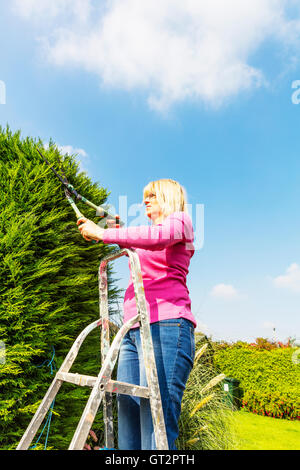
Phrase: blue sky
pixel 145 92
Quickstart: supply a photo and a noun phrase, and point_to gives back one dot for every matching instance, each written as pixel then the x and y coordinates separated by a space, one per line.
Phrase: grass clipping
pixel 206 421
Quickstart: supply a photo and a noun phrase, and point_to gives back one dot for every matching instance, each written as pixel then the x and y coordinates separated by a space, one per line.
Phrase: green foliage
pixel 269 379
pixel 275 404
pixel 48 287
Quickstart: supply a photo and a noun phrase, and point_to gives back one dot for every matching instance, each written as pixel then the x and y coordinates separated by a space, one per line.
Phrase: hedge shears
pixel 69 190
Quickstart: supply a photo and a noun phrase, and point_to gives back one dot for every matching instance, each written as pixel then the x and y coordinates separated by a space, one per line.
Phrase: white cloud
pixel 47 10
pixel 80 154
pixel 290 280
pixel 172 50
pixel 71 150
pixel 224 291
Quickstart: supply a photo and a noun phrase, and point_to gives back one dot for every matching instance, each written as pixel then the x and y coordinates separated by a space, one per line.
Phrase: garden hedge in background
pixel 48 288
pixel 269 379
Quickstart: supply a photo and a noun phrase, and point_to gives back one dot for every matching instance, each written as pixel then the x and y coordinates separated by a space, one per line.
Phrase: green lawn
pixel 263 433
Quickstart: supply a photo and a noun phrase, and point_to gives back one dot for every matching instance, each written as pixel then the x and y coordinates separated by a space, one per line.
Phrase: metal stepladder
pixel 103 386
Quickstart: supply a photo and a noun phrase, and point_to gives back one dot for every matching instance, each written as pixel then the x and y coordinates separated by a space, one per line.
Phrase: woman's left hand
pixel 89 230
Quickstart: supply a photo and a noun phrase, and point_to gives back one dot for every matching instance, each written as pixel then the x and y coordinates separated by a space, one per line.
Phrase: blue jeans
pixel 174 349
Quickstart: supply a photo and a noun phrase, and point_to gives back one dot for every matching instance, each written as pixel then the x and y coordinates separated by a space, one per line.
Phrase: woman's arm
pixel 155 237
pixel 175 228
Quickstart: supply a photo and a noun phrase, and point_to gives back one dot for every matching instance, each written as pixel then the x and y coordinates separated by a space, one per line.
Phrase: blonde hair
pixel 170 195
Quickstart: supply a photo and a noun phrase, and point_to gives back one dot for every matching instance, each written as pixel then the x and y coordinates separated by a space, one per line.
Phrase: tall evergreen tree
pixel 48 288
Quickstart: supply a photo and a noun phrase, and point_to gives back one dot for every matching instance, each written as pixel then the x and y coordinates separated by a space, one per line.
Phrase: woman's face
pixel 153 209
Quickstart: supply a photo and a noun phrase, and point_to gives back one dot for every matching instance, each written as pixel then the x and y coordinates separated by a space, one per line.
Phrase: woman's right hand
pixel 112 223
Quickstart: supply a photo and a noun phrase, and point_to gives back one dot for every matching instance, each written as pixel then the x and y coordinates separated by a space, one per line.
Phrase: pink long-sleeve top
pixel 164 251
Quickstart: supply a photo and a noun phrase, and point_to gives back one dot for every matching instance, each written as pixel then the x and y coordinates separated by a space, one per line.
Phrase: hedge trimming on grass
pixel 269 380
pixel 48 288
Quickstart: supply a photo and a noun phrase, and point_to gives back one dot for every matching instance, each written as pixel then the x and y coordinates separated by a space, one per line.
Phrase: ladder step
pixel 112 386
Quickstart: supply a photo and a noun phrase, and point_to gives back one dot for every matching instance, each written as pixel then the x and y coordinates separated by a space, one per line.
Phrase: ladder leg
pixel 53 390
pixel 147 346
pixel 39 415
pixel 105 345
pixel 108 421
pixel 149 357
pixel 98 391
pixel 87 418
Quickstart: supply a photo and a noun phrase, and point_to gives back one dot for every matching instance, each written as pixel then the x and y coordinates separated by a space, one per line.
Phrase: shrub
pixel 48 288
pixel 273 404
pixel 261 370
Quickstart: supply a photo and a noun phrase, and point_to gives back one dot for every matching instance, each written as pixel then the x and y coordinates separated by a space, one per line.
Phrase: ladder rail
pixel 98 391
pixel 105 341
pixel 147 346
pixel 113 386
pixel 104 347
pixel 44 406
pixel 149 357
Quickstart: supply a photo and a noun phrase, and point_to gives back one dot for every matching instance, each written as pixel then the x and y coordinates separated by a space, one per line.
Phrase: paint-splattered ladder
pixel 102 386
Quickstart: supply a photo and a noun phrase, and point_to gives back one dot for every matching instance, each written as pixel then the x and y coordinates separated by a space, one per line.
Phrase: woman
pixel 165 249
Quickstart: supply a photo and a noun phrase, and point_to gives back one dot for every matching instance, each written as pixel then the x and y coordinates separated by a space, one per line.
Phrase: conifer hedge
pixel 48 288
